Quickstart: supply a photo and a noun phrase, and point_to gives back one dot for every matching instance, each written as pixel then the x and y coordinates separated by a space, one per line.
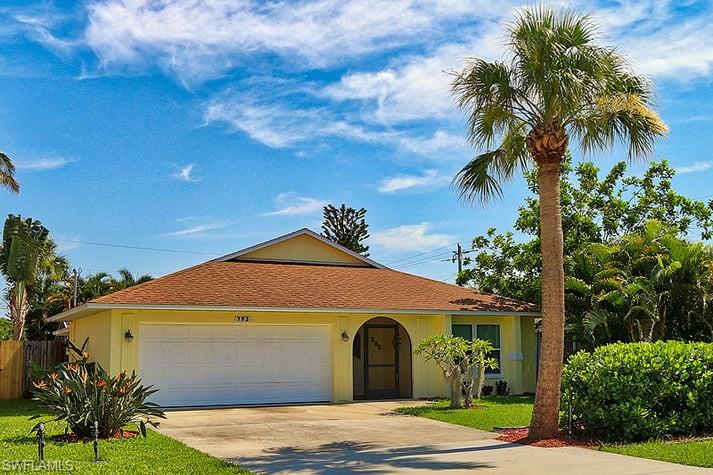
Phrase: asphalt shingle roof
pixel 281 285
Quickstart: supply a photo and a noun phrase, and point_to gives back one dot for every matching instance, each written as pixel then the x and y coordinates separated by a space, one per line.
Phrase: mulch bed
pixel 521 436
pixel 69 438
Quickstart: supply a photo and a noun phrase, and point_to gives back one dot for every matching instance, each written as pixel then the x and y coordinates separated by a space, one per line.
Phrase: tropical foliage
pixel 25 245
pixel 596 208
pixel 40 282
pixel 5 329
pixel 557 85
pixel 7 174
pixel 81 395
pixel 636 391
pixel 347 227
pixel 645 286
pixel 459 359
pixel 605 219
pixel 55 293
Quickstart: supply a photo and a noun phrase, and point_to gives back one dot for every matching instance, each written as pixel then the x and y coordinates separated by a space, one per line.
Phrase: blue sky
pixel 209 126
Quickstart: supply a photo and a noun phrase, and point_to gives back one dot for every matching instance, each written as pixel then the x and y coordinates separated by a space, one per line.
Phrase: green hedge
pixel 637 391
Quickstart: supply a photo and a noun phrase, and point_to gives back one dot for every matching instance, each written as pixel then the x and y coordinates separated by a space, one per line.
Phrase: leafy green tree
pixel 347 227
pixel 5 329
pixel 25 244
pixel 559 84
pixel 7 174
pixel 596 208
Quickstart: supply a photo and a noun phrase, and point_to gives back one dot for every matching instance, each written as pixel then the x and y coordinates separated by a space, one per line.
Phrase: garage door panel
pixel 235 364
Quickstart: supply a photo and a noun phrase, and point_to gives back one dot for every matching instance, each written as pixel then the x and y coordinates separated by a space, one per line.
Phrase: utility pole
pixel 76 273
pixel 458 257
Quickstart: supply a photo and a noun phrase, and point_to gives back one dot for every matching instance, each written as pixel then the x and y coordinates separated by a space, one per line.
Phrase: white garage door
pixel 194 365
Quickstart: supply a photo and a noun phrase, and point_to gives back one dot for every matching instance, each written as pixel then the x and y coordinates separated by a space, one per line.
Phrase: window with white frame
pixel 489 333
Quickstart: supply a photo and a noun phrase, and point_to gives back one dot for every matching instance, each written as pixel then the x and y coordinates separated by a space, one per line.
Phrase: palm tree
pixel 7 174
pixel 128 279
pixel 557 85
pixel 25 245
pixel 95 286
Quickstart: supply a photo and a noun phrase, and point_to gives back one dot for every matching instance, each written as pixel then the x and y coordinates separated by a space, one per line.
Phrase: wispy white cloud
pixel 419 86
pixel 67 243
pixel 198 40
pixel 696 167
pixel 659 41
pixel 291 204
pixel 278 122
pixel 442 144
pixel 427 179
pixel 44 163
pixel 185 173
pixel 196 228
pixel 664 38
pixel 411 237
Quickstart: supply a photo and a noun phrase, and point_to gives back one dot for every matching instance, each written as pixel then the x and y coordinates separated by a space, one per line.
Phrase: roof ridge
pixel 299 232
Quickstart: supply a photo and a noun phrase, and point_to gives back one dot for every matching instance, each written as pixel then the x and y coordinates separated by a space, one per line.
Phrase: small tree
pixel 480 351
pixel 347 227
pixel 458 358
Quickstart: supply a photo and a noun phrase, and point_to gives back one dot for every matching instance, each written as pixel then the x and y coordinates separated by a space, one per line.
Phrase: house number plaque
pixel 241 318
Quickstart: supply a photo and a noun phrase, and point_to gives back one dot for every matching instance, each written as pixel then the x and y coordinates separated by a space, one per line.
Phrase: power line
pixel 140 248
pixel 418 255
pixel 436 258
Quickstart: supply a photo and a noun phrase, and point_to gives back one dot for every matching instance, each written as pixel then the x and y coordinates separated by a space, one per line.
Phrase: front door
pixel 381 371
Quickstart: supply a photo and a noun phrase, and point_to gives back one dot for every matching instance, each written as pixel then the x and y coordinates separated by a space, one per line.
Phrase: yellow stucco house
pixel 296 319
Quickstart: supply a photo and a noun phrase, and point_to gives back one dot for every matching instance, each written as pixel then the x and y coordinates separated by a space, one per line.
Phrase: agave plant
pixel 81 394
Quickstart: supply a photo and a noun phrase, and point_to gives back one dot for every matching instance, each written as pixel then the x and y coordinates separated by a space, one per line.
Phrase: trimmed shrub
pixel 80 394
pixel 502 388
pixel 637 391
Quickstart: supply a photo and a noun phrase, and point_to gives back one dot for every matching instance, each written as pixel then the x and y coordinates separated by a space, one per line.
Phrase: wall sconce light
pixel 128 336
pixel 345 336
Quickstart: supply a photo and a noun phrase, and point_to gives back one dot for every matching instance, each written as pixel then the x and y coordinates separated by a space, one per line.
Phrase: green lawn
pixel 512 411
pixel 157 454
pixel 698 453
pixel 489 412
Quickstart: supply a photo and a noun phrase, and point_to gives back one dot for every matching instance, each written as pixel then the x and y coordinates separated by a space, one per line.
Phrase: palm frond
pixel 475 181
pixel 7 174
pixel 481 178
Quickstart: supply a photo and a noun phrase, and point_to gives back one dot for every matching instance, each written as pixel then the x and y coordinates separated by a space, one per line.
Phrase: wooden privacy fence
pixel 12 369
pixel 17 359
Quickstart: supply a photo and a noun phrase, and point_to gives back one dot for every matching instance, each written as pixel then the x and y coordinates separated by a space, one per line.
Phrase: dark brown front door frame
pixel 382 394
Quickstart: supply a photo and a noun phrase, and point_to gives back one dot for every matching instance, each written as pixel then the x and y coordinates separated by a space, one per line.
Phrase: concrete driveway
pixel 370 438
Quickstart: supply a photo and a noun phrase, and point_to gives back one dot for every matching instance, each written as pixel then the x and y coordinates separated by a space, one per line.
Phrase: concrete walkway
pixel 370 438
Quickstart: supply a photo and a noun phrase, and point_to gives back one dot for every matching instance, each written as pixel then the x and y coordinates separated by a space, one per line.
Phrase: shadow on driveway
pixel 355 457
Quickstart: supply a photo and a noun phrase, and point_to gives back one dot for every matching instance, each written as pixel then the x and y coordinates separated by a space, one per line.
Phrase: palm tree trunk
pixel 545 415
pixel 19 306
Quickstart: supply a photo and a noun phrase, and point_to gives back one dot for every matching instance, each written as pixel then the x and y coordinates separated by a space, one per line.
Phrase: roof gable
pixel 301 247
